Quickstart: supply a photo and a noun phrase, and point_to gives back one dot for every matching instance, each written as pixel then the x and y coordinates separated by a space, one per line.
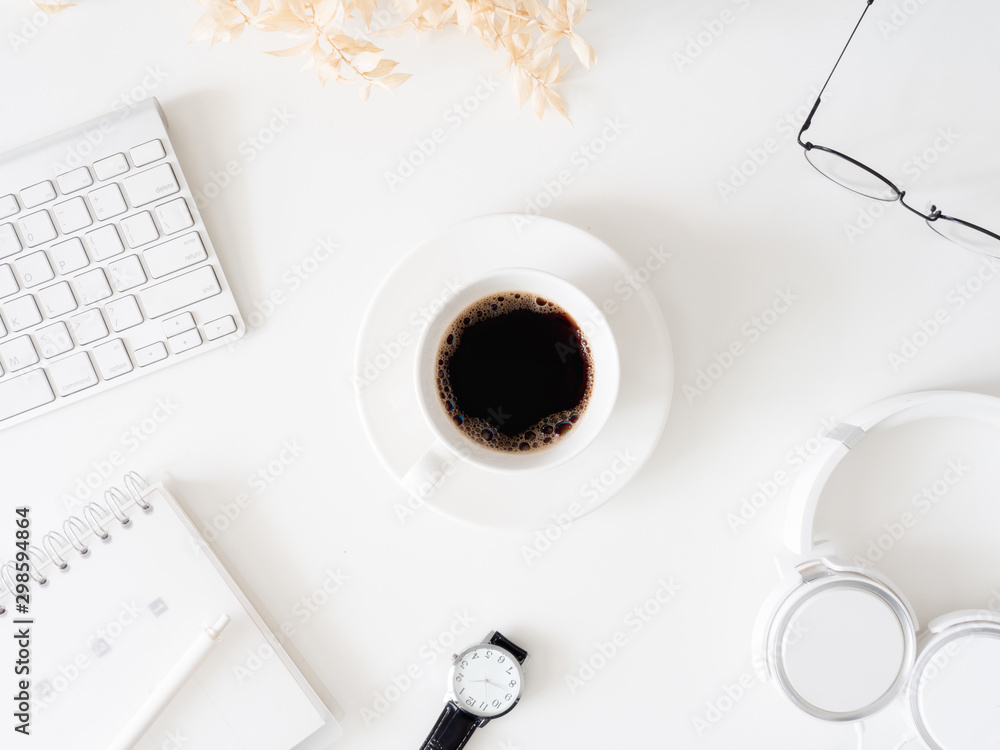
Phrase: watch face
pixel 486 680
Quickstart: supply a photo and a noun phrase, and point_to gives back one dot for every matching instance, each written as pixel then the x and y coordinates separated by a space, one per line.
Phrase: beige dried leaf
pixel 203 29
pixel 522 82
pixel 285 21
pixel 463 14
pixel 392 81
pixel 384 68
pixel 367 10
pixel 538 99
pixel 298 49
pixel 555 101
pixel 366 62
pixel 584 52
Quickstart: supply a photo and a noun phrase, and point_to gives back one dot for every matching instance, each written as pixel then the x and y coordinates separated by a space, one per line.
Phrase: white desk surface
pixel 683 677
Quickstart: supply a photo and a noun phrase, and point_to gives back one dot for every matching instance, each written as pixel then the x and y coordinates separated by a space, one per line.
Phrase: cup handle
pixel 431 470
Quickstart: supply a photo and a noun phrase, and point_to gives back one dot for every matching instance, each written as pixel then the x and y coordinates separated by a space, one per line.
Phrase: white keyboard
pixel 106 270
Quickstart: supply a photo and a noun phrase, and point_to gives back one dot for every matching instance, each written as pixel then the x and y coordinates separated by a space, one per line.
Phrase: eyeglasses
pixel 860 178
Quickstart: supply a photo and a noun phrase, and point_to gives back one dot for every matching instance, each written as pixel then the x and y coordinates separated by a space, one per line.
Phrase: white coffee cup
pixel 451 444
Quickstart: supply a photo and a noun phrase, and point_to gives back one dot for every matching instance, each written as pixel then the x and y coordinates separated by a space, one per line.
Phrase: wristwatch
pixel 484 682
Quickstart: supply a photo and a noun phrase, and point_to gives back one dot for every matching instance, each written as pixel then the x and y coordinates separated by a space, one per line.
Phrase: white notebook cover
pixel 109 627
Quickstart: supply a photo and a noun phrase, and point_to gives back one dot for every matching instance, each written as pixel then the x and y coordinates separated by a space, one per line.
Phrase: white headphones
pixel 842 642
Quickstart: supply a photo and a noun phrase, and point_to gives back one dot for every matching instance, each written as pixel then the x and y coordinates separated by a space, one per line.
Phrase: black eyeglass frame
pixel 934 215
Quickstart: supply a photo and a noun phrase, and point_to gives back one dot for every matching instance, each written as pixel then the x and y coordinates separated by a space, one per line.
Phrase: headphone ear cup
pixel 954 690
pixel 842 643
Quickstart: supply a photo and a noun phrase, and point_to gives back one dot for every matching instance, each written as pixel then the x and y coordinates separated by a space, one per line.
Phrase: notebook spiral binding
pixel 114 506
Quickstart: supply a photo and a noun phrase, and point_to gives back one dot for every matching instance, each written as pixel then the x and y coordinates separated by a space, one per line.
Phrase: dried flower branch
pixel 525 32
pixel 336 54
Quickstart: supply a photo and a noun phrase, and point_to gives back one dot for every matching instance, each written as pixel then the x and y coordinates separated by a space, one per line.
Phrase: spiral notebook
pixel 105 629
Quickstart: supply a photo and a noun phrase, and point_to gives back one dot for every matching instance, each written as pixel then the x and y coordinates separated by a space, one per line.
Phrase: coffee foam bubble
pixel 544 433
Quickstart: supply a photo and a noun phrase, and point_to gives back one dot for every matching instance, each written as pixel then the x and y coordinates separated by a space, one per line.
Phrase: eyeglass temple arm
pixel 805 126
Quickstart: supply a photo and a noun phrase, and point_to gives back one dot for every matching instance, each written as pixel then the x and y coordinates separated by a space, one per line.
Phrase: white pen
pixel 169 686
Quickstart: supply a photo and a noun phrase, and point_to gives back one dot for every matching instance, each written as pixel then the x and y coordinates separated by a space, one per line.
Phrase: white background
pixel 915 68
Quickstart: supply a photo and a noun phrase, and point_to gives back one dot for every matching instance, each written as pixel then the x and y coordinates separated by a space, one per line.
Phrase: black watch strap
pixel 453 729
pixel 499 640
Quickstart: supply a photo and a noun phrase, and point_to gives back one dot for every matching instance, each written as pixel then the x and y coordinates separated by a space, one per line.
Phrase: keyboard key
pixel 88 327
pixel 127 273
pixel 184 341
pixel 34 269
pixel 139 229
pixel 123 313
pixel 38 194
pixel 104 243
pixel 112 359
pixel 220 327
pixel 113 166
pixel 9 243
pixel 22 313
pixel 53 340
pixel 8 206
pixel 3 332
pixel 73 374
pixel 147 153
pixel 8 284
pixel 72 215
pixel 180 292
pixel 147 355
pixel 107 202
pixel 37 228
pixel 174 216
pixel 178 324
pixel 151 185
pixel 92 286
pixel 78 179
pixel 18 353
pixel 24 393
pixel 69 256
pixel 57 299
pixel 174 254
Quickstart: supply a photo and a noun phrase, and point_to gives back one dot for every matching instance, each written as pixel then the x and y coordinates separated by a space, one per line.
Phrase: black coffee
pixel 514 372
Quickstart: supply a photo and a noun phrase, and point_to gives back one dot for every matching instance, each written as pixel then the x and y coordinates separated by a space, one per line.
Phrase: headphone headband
pixel 891 412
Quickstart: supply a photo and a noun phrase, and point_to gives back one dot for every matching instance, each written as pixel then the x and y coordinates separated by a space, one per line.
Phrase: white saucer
pixel 384 364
